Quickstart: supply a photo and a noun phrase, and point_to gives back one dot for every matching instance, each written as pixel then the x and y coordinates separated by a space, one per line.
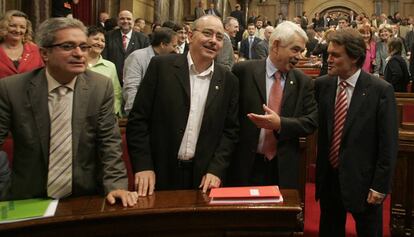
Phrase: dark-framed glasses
pixel 70 46
pixel 210 33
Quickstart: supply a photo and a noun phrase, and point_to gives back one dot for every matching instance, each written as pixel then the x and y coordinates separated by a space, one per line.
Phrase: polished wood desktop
pixel 166 213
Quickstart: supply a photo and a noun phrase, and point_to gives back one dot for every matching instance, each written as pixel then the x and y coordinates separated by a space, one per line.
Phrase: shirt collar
pixel 99 62
pixel 352 80
pixel 208 72
pixel 53 84
pixel 271 69
pixel 128 35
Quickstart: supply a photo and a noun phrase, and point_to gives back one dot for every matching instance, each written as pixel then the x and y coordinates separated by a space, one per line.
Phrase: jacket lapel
pixel 182 73
pixel 259 75
pixel 38 97
pixel 289 89
pixel 80 106
pixel 215 85
pixel 330 94
pixel 358 98
pixel 131 44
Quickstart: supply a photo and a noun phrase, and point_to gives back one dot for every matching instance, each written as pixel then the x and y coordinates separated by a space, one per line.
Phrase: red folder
pixel 256 194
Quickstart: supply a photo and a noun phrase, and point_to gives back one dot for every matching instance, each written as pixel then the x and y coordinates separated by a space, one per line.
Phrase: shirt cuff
pixel 378 193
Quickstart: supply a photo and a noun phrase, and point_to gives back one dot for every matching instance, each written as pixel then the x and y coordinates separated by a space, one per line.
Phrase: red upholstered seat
pixel 125 157
pixel 408 113
pixel 8 148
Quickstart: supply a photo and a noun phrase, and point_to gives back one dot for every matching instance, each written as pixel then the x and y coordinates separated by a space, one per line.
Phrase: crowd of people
pixel 212 103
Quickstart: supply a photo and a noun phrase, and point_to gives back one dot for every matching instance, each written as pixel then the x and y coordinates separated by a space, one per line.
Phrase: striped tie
pixel 341 108
pixel 275 100
pixel 59 180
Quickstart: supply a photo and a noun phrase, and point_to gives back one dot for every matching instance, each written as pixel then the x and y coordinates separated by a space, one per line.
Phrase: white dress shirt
pixel 128 37
pixel 199 85
pixel 352 80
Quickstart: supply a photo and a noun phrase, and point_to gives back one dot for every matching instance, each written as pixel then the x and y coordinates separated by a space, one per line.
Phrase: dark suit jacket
pixel 261 49
pixel 4 171
pixel 158 119
pixel 216 12
pixel 396 73
pixel 298 118
pixel 369 142
pixel 244 47
pixel 114 51
pixel 97 164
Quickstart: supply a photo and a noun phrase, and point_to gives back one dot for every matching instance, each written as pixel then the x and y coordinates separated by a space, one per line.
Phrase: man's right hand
pixel 145 182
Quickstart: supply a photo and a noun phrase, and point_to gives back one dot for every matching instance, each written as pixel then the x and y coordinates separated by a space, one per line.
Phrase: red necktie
pixel 341 108
pixel 124 41
pixel 275 101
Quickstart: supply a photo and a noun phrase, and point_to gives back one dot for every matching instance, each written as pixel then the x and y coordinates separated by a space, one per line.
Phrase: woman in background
pixel 385 32
pixel 96 39
pixel 370 54
pixel 18 53
pixel 396 71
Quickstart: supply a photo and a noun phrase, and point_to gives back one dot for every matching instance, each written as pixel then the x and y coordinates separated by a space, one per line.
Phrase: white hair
pixel 285 32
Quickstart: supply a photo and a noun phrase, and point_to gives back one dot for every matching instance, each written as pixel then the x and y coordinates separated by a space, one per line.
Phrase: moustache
pixel 293 61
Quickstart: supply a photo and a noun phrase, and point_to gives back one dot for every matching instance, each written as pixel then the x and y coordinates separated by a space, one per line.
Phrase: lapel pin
pixel 217 87
pixel 291 82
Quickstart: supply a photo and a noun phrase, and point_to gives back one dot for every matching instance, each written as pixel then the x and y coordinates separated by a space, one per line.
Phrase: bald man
pixel 183 126
pixel 122 42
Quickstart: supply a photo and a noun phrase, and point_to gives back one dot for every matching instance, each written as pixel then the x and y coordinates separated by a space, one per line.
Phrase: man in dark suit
pixel 240 16
pixel 66 137
pixel 247 45
pixel 103 17
pixel 213 10
pixel 268 151
pixel 122 42
pixel 183 126
pixel 357 143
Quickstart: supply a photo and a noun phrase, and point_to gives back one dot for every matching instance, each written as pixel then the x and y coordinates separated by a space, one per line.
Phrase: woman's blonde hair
pixel 4 24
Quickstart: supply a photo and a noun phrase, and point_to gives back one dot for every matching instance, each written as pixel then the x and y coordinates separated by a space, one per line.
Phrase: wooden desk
pixel 166 213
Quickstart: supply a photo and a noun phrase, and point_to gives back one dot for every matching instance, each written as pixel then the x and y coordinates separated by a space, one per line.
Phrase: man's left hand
pixel 127 198
pixel 270 120
pixel 375 198
pixel 209 181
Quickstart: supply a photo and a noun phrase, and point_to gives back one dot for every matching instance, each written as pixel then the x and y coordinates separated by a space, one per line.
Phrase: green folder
pixel 23 209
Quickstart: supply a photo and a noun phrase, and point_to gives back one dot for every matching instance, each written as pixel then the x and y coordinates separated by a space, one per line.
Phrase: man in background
pixel 122 42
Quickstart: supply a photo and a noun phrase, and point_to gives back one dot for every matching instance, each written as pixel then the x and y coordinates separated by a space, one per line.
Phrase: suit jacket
pixel 261 49
pixel 4 170
pixel 96 140
pixel 396 73
pixel 369 141
pixel 298 118
pixel 244 47
pixel 226 55
pixel 115 53
pixel 158 120
pixel 216 12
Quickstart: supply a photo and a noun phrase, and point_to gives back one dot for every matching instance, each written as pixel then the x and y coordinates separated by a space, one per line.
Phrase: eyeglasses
pixel 210 33
pixel 70 46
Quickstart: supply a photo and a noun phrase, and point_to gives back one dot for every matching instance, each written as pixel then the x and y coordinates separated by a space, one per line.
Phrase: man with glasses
pixel 182 34
pixel 66 137
pixel 183 126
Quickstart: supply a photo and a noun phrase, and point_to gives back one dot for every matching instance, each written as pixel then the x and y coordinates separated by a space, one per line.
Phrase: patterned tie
pixel 275 101
pixel 59 180
pixel 341 108
pixel 124 41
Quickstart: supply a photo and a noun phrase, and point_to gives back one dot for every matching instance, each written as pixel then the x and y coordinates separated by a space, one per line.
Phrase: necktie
pixel 59 180
pixel 124 41
pixel 275 101
pixel 341 108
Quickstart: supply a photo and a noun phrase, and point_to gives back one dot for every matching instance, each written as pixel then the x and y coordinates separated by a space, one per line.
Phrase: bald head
pixel 125 21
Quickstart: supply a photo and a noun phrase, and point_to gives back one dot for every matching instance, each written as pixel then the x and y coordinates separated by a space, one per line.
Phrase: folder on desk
pixel 251 194
pixel 20 210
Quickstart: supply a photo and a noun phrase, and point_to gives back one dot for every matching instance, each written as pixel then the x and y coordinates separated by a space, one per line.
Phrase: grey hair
pixel 228 19
pixel 45 35
pixel 285 31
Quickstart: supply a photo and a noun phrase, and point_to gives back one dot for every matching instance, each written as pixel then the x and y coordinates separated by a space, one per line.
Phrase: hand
pixel 375 198
pixel 145 182
pixel 270 120
pixel 128 198
pixel 209 181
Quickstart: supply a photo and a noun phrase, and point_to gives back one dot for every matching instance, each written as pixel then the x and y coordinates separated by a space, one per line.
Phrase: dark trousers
pixel 264 172
pixel 333 213
pixel 183 178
